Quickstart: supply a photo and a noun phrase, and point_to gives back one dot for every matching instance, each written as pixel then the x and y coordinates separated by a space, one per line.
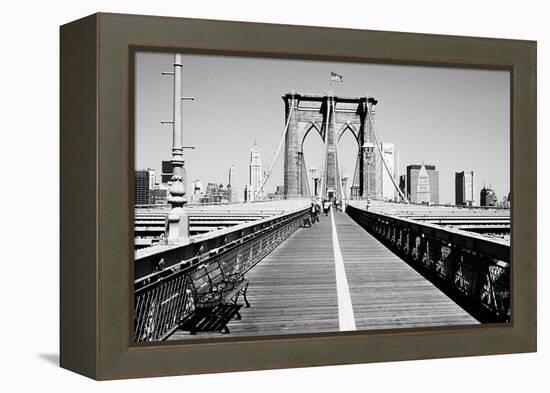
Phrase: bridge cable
pixel 383 160
pixel 325 146
pixel 283 136
pixel 309 181
pixel 304 166
pixel 338 172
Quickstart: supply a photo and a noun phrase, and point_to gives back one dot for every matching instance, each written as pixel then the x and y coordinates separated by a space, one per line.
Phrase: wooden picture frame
pixel 96 196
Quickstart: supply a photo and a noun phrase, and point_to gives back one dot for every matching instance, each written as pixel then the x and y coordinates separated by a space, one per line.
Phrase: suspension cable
pixel 283 136
pixel 338 172
pixel 325 144
pixel 308 179
pixel 382 157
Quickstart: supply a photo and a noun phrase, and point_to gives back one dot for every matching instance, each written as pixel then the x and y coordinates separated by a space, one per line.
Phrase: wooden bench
pixel 211 319
pixel 215 295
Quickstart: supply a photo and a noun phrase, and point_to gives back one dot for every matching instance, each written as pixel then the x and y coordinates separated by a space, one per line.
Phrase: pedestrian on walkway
pixel 312 212
pixel 326 206
pixel 317 210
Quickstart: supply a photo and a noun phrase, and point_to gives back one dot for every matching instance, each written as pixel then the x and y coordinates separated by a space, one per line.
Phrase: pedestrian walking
pixel 326 206
pixel 312 212
pixel 317 210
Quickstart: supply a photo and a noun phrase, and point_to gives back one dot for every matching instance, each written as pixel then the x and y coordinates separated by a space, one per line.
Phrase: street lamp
pixel 177 225
pixel 368 149
pixel 313 172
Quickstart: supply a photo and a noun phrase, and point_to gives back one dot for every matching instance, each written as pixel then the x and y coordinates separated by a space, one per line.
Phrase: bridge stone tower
pixel 330 116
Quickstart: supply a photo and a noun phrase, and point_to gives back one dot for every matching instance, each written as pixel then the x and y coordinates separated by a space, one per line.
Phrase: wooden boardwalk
pixel 296 289
pixel 385 291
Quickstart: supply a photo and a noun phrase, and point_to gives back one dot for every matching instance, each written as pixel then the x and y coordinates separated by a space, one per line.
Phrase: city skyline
pixel 474 129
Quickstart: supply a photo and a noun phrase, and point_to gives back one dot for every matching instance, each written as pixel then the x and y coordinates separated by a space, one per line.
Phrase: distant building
pixel 196 191
pixel 464 188
pixel 229 192
pixel 163 193
pixel 255 175
pixel 152 178
pixel 231 184
pixel 422 184
pixel 211 189
pixel 141 187
pixel 158 196
pixel 388 190
pixel 345 179
pixel 198 188
pixel 487 197
pixel 216 193
pixel 504 202
pixel 278 194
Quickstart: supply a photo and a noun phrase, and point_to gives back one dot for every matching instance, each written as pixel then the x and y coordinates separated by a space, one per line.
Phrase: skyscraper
pixel 141 187
pixel 423 186
pixel 152 178
pixel 423 183
pixel 231 184
pixel 255 173
pixel 464 188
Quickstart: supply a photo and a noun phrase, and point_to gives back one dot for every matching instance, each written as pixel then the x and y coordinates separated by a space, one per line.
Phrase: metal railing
pixel 471 269
pixel 163 288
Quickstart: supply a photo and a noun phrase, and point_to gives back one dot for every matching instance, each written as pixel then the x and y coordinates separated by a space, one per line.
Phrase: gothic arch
pixel 348 126
pixel 303 175
pixel 345 127
pixel 346 113
pixel 308 127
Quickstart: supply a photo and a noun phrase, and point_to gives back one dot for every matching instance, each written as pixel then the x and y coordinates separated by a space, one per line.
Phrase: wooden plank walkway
pixel 294 289
pixel 385 291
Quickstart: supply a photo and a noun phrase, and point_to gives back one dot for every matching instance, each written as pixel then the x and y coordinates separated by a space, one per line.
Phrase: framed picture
pixel 253 196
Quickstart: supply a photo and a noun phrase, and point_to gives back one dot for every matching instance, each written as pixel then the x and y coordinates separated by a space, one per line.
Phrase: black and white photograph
pixel 275 196
pixel 279 196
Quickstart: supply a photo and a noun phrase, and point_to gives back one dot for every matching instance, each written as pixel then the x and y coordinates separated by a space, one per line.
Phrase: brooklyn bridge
pixel 269 268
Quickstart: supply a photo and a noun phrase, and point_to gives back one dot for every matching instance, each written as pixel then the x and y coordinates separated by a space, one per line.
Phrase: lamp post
pixel 313 172
pixel 177 225
pixel 316 186
pixel 368 149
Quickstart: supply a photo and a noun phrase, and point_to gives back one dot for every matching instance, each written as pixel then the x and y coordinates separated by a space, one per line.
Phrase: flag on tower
pixel 334 77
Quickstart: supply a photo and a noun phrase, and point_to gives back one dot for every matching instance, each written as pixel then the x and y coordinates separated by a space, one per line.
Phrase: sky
pixel 454 118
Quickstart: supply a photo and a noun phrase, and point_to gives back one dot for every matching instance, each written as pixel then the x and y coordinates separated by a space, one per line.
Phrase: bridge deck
pixel 303 286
